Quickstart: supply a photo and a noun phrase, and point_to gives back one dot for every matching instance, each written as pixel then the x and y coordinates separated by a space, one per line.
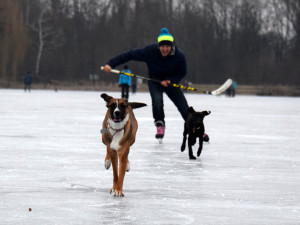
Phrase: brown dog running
pixel 118 134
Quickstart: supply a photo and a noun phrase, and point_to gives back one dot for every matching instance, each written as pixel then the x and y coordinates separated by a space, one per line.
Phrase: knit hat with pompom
pixel 165 38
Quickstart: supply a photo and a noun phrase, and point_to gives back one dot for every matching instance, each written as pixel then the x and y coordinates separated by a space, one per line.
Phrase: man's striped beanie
pixel 165 38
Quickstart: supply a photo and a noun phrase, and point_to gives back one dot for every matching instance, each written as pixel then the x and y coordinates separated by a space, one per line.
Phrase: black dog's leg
pixel 194 140
pixel 184 140
pixel 190 140
pixel 200 145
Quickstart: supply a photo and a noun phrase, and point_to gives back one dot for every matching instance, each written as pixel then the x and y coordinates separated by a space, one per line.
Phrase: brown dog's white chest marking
pixel 117 131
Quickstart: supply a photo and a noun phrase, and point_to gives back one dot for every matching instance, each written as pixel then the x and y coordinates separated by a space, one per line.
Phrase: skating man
pixel 165 62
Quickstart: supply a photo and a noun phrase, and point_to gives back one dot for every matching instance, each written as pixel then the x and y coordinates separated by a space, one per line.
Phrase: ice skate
pixel 160 131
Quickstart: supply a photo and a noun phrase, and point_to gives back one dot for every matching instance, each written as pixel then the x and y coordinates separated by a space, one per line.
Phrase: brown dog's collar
pixel 115 130
pixel 118 128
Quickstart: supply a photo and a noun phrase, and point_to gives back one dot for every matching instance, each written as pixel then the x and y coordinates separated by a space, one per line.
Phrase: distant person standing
pixel 133 85
pixel 124 82
pixel 228 91
pixel 233 89
pixel 27 81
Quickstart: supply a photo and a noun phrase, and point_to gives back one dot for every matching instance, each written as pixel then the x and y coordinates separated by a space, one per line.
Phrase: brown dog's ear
pixel 106 97
pixel 191 110
pixel 135 105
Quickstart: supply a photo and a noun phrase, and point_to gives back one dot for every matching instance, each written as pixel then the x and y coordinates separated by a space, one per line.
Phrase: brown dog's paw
pixel 128 167
pixel 112 190
pixel 107 164
pixel 118 194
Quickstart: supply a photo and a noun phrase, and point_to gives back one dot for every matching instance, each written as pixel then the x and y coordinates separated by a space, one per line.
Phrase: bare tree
pixel 40 30
pixel 44 33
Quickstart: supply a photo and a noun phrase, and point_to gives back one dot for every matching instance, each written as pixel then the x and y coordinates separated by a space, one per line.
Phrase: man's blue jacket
pixel 172 67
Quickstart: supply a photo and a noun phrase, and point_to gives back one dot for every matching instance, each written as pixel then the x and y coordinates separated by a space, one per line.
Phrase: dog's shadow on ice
pixel 86 188
pixel 89 189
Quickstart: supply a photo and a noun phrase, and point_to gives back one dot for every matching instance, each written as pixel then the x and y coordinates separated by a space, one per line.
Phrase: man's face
pixel 165 50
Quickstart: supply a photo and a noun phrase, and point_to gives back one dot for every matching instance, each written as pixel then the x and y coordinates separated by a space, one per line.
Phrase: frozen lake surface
pixel 52 161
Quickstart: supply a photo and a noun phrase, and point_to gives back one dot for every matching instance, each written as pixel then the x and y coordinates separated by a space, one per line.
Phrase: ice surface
pixel 52 161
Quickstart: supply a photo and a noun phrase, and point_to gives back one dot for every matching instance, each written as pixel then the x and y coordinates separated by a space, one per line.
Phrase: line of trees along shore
pixel 252 41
